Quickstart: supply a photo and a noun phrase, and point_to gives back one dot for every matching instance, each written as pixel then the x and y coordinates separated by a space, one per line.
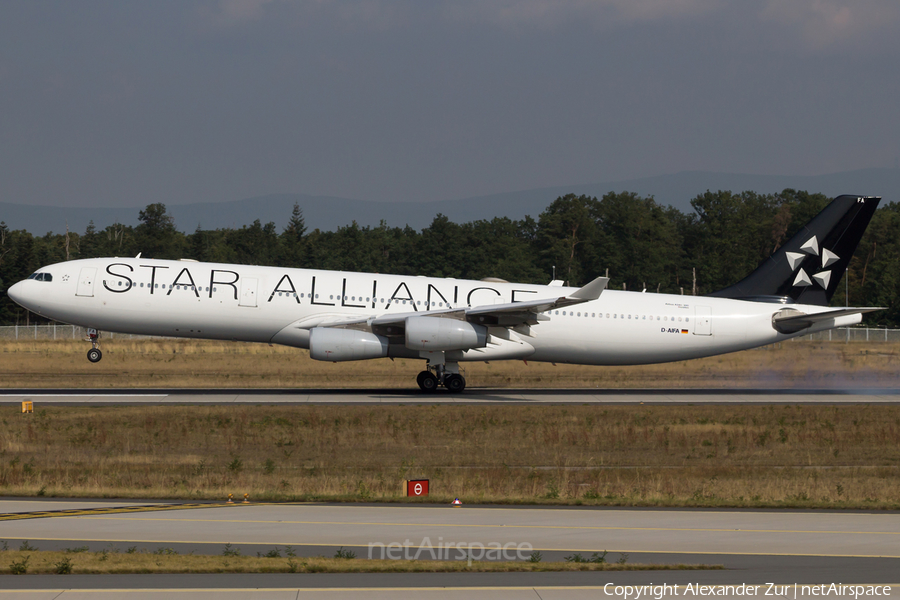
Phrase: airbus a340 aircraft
pixel 342 316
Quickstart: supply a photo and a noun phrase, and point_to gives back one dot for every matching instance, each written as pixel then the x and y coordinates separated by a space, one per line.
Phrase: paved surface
pixel 470 396
pixel 551 529
pixel 757 546
pixel 536 592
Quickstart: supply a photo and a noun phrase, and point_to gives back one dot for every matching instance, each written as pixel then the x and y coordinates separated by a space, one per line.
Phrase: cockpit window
pixel 33 276
pixel 41 276
pixel 48 277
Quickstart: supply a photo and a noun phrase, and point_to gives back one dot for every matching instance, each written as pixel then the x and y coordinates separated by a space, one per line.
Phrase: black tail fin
pixel 808 268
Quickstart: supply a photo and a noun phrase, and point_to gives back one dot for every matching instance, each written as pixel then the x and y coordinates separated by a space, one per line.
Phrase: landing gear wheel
pixel 455 383
pixel 427 381
pixel 94 355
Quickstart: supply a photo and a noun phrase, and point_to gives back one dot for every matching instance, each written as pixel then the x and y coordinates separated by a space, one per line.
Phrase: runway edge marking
pixel 106 510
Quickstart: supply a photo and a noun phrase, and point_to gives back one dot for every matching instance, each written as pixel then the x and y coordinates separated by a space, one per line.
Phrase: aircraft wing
pixel 492 315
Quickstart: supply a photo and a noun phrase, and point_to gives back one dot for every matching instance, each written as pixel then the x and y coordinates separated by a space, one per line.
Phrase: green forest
pixel 639 243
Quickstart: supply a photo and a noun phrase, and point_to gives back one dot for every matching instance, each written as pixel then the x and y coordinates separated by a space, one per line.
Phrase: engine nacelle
pixel 327 343
pixel 434 333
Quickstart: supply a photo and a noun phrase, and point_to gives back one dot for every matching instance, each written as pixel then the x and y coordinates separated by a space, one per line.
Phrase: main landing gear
pixel 446 375
pixel 94 355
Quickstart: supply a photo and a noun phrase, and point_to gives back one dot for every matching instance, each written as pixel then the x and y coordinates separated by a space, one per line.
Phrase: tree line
pixel 640 244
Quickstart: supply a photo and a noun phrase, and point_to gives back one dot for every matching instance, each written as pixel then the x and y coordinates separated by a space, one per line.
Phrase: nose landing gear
pixel 94 355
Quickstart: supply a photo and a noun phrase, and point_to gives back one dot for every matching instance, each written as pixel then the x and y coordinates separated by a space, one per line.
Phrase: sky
pixel 126 102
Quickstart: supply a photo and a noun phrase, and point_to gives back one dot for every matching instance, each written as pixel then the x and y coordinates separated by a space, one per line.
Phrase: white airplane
pixel 343 316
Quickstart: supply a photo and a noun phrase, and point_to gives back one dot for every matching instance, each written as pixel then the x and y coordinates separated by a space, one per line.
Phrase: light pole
pixel 847 286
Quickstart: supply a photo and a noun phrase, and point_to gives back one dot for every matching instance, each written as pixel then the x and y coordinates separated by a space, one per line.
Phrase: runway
pixel 757 546
pixel 470 396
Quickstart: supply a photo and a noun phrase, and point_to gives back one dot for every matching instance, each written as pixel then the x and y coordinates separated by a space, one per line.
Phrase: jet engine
pixel 327 343
pixel 434 333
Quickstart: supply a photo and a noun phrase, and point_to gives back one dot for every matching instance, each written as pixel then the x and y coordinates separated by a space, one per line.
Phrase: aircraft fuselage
pixel 280 305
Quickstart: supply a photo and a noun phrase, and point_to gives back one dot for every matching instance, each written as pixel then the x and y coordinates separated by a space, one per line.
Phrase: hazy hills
pixel 327 213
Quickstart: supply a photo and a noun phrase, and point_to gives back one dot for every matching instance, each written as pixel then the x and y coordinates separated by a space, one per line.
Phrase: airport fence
pixel 852 334
pixel 60 331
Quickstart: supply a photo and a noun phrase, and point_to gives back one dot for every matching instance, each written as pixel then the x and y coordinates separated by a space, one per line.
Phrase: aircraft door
pixel 702 320
pixel 249 287
pixel 86 282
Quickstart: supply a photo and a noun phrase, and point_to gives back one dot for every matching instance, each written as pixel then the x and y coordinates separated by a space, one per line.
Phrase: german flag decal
pixel 684 331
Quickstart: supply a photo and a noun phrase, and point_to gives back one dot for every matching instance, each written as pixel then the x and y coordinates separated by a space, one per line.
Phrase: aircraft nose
pixel 15 292
pixel 18 293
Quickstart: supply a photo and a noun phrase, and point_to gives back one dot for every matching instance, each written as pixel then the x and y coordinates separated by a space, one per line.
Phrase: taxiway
pixel 470 396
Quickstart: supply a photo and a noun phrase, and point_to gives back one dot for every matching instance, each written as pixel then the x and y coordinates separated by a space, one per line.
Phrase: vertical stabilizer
pixel 808 268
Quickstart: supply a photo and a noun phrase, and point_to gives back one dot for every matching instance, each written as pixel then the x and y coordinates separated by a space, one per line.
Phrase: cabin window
pixel 686 319
pixel 615 316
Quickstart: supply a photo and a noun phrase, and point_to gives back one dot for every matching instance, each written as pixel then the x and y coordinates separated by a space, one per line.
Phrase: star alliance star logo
pixel 811 248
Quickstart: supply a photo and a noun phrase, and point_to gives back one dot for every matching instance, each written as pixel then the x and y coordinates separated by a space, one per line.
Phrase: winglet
pixel 592 290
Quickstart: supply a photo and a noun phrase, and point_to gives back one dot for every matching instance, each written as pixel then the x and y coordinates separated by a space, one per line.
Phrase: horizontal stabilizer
pixel 791 321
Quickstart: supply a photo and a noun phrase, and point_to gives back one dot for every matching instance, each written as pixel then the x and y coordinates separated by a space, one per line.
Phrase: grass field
pixel 203 364
pixel 799 456
pixel 804 456
pixel 165 560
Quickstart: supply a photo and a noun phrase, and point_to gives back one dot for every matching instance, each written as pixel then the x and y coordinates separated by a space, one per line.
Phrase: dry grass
pixel 166 560
pixel 802 456
pixel 187 363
